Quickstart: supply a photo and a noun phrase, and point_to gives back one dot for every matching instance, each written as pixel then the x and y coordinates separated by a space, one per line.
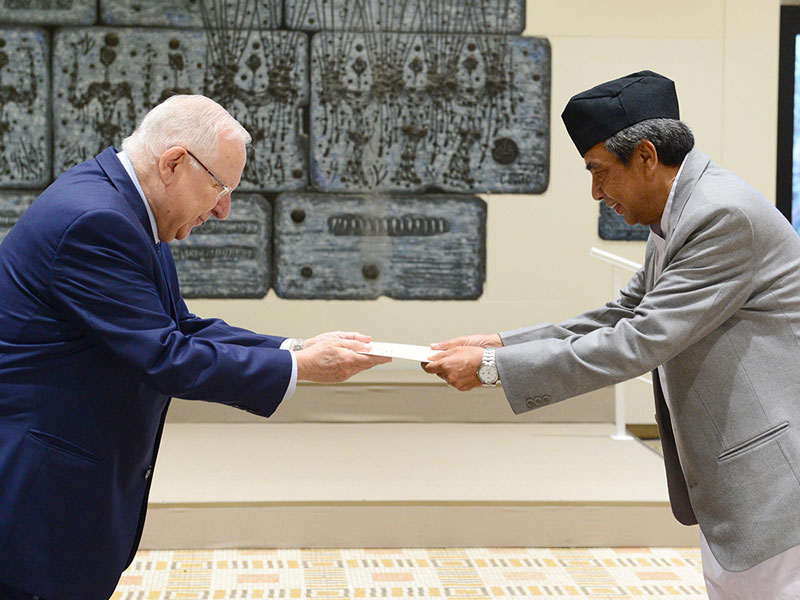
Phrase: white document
pixel 407 351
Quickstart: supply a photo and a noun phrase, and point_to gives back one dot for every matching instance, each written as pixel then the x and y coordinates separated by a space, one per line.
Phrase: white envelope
pixel 407 351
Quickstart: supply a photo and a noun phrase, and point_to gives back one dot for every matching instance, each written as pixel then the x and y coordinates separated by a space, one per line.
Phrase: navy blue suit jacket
pixel 94 341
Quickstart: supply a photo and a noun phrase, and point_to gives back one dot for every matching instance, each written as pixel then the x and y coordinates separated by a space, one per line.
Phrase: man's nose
pixel 597 191
pixel 223 207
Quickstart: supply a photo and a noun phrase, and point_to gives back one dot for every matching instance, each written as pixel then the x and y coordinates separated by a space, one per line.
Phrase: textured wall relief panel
pixel 24 112
pixel 410 112
pixel 235 14
pixel 49 12
pixel 12 205
pixel 230 258
pixel 105 80
pixel 439 16
pixel 365 246
pixel 612 226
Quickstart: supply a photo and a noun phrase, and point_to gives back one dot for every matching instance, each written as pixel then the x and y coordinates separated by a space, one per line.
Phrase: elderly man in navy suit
pixel 95 339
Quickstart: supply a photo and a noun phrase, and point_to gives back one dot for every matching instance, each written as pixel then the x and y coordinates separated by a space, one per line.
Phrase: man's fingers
pixel 447 344
pixel 354 335
pixel 366 361
pixel 482 340
pixel 371 360
pixel 433 366
pixel 361 362
pixel 354 345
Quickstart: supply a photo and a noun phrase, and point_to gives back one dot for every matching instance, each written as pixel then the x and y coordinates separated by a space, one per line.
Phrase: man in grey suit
pixel 714 312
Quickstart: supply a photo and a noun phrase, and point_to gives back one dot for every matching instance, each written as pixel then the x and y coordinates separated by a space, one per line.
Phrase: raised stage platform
pixel 361 485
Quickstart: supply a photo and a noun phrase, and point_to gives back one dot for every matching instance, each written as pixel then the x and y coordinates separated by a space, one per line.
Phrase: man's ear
pixel 648 155
pixel 168 163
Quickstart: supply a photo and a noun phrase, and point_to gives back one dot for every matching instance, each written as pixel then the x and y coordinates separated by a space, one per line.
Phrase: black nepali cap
pixel 595 115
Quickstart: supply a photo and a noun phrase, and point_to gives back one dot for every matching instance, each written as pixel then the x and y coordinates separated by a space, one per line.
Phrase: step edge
pixel 417 503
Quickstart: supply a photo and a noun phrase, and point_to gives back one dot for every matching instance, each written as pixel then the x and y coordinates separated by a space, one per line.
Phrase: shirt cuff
pixel 290 389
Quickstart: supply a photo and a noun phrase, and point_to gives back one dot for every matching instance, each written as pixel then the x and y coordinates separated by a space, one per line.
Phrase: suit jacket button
pixel 546 399
pixel 530 403
pixel 148 473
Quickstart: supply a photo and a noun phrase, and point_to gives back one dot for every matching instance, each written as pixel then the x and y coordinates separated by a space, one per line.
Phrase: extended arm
pixel 105 287
pixel 706 281
pixel 462 357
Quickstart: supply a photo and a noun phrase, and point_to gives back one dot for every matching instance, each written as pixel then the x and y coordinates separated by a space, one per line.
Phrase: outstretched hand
pixel 488 340
pixel 337 335
pixel 334 360
pixel 458 366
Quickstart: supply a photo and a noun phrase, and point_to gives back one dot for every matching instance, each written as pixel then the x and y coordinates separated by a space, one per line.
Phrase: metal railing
pixel 620 267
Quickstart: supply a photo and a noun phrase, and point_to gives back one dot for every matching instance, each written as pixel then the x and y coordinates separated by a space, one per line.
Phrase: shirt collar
pixel 128 165
pixel 662 228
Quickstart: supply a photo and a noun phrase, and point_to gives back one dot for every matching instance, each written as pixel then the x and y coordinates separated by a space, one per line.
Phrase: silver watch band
pixel 488 356
pixel 488 362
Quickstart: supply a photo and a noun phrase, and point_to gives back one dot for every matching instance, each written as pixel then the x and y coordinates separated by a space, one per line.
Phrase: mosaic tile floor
pixel 447 574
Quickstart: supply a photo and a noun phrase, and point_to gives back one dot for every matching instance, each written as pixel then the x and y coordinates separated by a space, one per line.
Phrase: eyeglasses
pixel 225 189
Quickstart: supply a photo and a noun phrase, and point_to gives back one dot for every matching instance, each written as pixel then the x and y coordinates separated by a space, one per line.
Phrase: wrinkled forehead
pixel 231 159
pixel 597 156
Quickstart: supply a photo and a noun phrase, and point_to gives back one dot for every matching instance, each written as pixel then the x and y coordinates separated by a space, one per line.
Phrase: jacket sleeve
pixel 104 282
pixel 605 316
pixel 217 330
pixel 707 280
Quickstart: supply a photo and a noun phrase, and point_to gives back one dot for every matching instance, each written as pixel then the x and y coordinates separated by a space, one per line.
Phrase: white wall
pixel 723 56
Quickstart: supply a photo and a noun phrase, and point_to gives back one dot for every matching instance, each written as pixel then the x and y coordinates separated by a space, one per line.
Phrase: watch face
pixel 487 374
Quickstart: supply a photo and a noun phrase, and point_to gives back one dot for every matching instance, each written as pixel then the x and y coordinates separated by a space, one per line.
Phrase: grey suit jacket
pixel 724 320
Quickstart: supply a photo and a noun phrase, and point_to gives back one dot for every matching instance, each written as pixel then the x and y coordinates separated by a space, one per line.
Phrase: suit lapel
pixel 119 178
pixel 696 164
pixel 650 266
pixel 694 167
pixel 113 168
pixel 169 276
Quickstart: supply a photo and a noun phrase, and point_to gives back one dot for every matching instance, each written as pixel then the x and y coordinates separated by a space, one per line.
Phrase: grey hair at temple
pixel 194 122
pixel 672 138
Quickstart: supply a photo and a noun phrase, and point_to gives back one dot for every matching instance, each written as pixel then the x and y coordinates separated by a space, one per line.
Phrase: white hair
pixel 195 122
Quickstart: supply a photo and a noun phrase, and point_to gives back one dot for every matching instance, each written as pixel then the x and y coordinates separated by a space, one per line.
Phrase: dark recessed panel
pixel 365 246
pixel 613 227
pixel 12 205
pixel 216 14
pixel 49 12
pixel 230 258
pixel 106 80
pixel 437 16
pixel 415 112
pixel 24 108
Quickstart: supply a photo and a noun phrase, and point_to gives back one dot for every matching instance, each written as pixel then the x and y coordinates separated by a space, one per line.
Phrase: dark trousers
pixel 9 593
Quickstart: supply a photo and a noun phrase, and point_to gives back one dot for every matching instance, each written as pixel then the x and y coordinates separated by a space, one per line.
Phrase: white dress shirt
pixel 285 345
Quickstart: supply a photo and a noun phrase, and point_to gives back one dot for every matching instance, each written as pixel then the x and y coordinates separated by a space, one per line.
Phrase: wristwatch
pixel 487 372
pixel 298 344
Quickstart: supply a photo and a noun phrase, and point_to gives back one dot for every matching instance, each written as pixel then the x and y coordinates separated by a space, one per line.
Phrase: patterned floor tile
pixel 438 574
